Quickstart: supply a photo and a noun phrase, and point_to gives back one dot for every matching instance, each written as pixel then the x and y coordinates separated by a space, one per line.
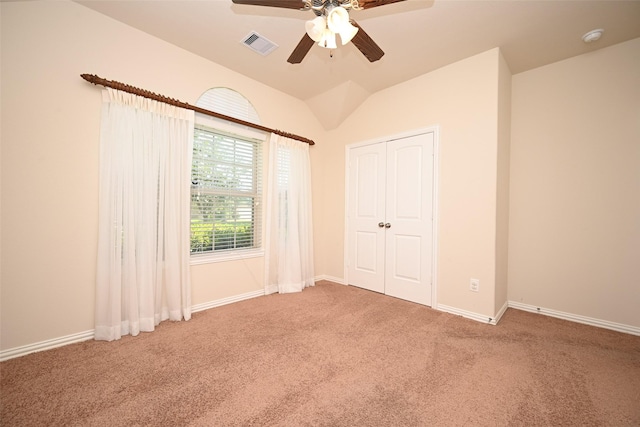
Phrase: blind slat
pixel 225 192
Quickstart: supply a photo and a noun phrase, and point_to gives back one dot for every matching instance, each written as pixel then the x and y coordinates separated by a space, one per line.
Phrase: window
pixel 226 192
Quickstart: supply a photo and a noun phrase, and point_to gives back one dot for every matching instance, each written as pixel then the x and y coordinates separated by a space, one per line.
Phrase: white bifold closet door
pixel 390 217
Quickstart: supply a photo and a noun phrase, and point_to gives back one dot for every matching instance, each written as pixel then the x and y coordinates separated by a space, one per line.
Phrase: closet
pixel 390 233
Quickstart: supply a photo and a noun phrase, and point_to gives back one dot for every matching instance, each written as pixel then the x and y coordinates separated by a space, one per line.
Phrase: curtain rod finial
pixel 90 78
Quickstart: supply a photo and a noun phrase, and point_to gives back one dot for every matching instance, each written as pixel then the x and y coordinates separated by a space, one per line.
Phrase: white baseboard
pixel 475 316
pixel 88 335
pixel 619 327
pixel 471 315
pixel 501 312
pixel 330 279
pixel 225 301
pixel 45 345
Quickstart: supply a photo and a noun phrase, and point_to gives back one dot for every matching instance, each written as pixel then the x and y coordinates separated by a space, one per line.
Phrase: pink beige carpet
pixel 333 356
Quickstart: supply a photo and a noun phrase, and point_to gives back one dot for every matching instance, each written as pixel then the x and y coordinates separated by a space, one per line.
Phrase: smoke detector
pixel 592 35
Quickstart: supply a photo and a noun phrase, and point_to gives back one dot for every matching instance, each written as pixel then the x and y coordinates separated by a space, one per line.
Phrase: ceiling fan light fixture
pixel 328 39
pixel 337 19
pixel 347 33
pixel 316 27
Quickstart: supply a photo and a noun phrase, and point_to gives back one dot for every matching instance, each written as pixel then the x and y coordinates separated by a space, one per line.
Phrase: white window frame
pixel 242 132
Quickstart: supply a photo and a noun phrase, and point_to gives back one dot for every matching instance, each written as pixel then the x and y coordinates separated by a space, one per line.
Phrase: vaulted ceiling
pixel 417 36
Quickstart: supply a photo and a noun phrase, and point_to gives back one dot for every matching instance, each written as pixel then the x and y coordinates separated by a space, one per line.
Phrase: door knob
pixel 387 225
pixel 381 224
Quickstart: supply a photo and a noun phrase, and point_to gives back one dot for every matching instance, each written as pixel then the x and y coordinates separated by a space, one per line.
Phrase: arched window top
pixel 228 102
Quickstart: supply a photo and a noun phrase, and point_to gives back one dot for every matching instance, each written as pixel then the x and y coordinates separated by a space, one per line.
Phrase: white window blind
pixel 226 192
pixel 229 102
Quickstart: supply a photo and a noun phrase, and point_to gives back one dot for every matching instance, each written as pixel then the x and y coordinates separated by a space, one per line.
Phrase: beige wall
pixel 574 234
pixel 502 189
pixel 462 99
pixel 50 131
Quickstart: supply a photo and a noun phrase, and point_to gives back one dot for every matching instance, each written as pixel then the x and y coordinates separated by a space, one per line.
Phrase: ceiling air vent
pixel 257 43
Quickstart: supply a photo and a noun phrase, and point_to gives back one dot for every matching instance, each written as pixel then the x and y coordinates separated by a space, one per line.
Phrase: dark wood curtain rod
pixel 91 78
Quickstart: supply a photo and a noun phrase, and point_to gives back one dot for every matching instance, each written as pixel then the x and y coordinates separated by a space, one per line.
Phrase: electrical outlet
pixel 474 285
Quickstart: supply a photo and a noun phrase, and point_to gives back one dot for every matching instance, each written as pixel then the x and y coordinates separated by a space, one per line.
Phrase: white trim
pixel 228 300
pixel 435 212
pixel 407 134
pixel 45 345
pixel 474 316
pixel 501 312
pixel 619 327
pixel 209 258
pixel 330 279
pixel 88 335
pixel 469 314
pixel 345 236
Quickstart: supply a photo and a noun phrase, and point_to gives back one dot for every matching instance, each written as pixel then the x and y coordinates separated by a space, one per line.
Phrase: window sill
pixel 225 256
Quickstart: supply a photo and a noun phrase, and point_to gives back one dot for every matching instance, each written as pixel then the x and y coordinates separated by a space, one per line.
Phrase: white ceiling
pixel 418 36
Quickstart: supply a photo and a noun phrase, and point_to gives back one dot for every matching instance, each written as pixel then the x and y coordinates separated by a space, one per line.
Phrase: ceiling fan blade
pixel 368 4
pixel 287 4
pixel 301 50
pixel 367 46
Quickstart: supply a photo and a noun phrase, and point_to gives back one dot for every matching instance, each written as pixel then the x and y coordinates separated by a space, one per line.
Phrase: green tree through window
pixel 225 192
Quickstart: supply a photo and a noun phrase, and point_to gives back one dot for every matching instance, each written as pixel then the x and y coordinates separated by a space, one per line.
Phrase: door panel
pixel 366 245
pixel 406 167
pixel 409 211
pixel 408 252
pixel 366 251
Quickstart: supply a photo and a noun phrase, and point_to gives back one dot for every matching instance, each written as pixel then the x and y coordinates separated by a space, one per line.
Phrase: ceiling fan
pixel 332 17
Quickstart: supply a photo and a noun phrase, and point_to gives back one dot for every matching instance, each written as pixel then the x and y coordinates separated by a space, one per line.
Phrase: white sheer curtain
pixel 289 249
pixel 143 241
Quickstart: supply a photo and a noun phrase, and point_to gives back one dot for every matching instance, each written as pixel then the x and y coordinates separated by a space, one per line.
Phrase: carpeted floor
pixel 333 356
